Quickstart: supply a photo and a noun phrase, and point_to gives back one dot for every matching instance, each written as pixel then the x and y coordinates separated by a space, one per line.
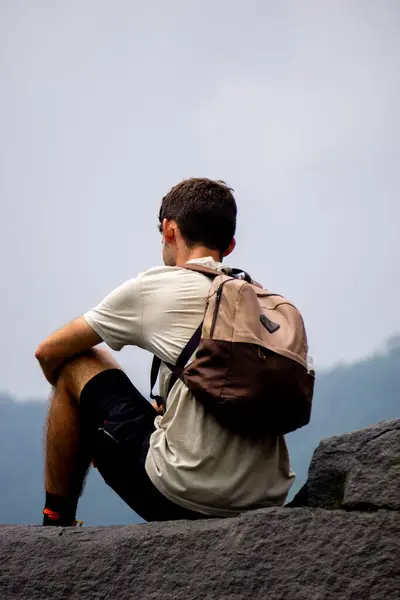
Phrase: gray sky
pixel 105 105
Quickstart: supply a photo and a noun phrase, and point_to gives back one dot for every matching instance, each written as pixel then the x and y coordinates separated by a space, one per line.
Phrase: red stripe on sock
pixel 54 516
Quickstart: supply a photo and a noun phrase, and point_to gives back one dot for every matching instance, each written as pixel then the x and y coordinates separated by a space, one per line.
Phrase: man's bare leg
pixel 67 456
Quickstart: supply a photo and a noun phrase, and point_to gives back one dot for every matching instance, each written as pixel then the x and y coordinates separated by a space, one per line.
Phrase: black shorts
pixel 119 421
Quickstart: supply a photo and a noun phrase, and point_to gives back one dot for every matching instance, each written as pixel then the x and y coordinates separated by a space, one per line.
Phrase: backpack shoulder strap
pixel 184 357
pixel 194 341
pixel 187 351
pixel 155 369
pixel 177 369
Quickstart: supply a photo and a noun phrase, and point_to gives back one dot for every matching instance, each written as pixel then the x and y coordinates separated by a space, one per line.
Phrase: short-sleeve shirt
pixel 192 459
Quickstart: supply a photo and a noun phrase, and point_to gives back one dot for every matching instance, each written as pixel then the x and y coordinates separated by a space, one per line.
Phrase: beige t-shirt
pixel 192 460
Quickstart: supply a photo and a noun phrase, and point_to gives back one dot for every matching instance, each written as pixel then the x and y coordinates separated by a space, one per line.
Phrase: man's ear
pixel 230 248
pixel 168 230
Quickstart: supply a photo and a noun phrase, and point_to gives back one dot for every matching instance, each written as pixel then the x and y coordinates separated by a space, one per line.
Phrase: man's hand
pixel 159 409
pixel 74 338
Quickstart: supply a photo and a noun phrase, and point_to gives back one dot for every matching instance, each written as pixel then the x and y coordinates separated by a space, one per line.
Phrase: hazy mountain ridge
pixel 347 397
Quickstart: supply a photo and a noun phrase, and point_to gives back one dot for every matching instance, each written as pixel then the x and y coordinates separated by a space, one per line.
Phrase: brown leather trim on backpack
pixel 271 403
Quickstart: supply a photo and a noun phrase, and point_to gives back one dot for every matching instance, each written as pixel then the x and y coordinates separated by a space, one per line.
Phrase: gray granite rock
pixel 358 470
pixel 286 554
pixel 280 553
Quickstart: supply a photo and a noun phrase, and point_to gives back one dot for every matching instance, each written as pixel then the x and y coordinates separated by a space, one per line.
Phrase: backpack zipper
pixel 216 308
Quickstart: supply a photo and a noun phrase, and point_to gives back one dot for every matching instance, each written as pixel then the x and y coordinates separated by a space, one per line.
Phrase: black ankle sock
pixel 59 510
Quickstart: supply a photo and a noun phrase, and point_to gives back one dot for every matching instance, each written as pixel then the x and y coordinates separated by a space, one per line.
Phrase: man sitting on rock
pixel 178 463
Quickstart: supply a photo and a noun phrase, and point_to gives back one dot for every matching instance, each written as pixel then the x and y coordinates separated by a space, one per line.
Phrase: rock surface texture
pixel 339 539
pixel 356 471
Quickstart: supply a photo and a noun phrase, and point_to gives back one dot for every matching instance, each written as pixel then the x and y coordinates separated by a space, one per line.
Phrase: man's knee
pixel 79 370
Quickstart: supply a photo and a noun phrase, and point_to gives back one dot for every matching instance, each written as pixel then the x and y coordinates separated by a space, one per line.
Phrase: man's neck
pixel 187 254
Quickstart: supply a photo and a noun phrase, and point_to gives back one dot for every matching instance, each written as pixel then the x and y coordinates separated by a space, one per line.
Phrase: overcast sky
pixel 105 105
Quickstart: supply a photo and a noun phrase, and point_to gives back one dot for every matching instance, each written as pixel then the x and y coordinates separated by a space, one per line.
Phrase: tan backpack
pixel 250 369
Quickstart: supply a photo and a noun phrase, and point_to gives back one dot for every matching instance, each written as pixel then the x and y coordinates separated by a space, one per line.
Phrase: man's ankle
pixel 59 511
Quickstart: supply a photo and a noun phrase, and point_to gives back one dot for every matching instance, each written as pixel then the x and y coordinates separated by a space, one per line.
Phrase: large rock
pixel 351 551
pixel 358 470
pixel 288 554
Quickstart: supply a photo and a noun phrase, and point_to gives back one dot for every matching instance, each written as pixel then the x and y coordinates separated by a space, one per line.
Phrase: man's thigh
pixel 110 404
pixel 119 422
pixel 79 370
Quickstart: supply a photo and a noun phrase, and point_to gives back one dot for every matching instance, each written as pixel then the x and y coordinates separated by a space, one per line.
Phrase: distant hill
pixel 347 397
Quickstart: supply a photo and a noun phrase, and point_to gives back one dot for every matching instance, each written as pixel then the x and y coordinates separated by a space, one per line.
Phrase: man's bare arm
pixel 74 338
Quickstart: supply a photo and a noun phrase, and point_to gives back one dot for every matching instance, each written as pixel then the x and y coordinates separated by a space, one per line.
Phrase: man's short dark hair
pixel 204 210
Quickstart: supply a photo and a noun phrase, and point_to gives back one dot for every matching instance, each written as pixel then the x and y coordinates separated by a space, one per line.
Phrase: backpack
pixel 250 365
